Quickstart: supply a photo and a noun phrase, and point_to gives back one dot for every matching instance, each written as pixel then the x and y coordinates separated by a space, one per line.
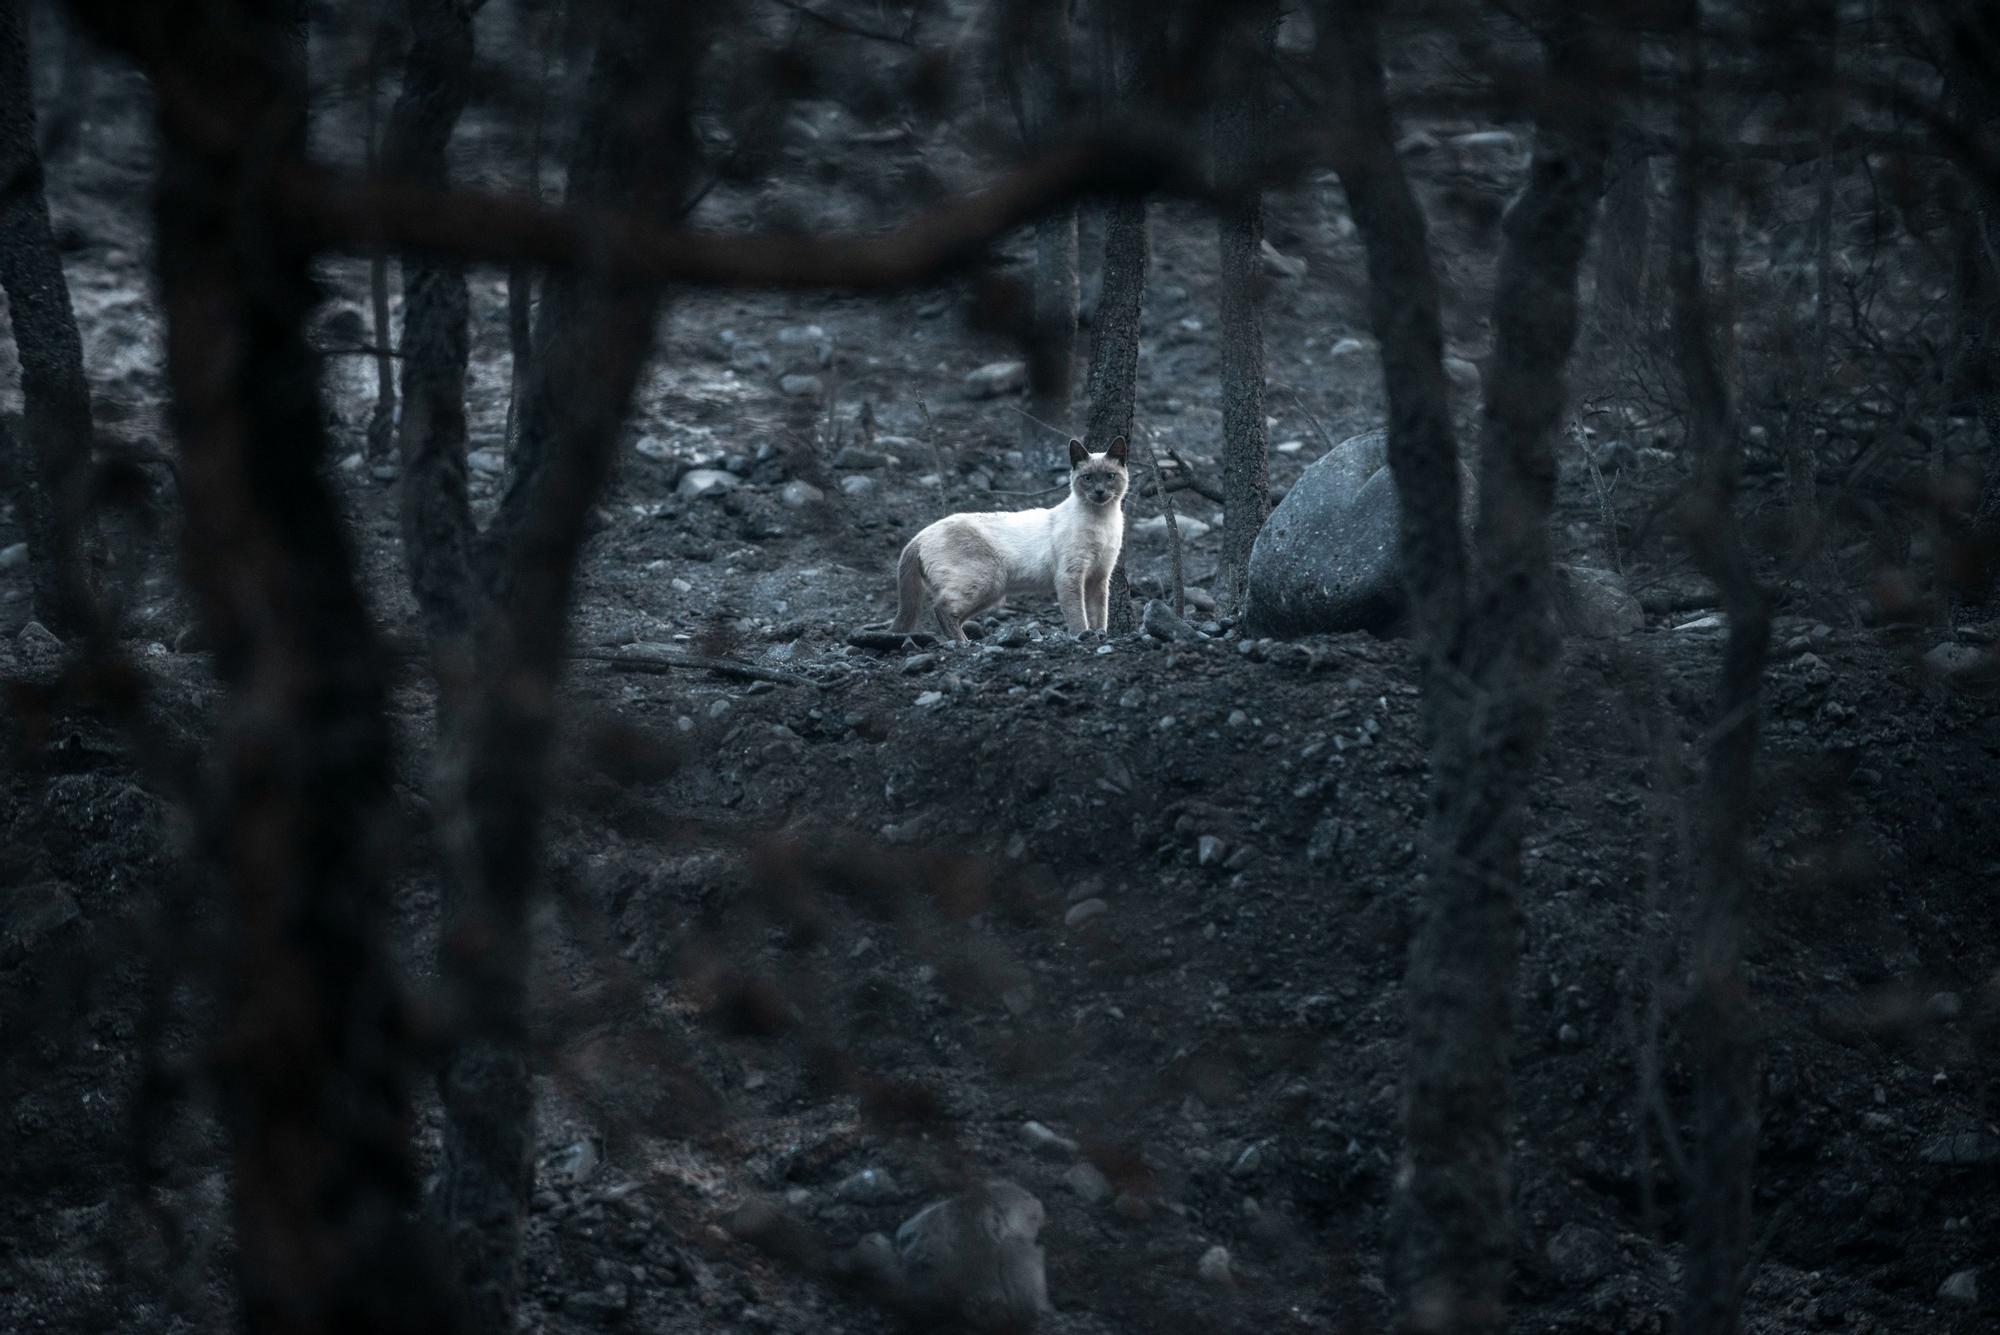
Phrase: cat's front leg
pixel 1072 594
pixel 1097 600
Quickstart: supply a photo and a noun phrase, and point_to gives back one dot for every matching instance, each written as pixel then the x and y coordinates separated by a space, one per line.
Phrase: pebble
pixel 1082 913
pixel 869 1184
pixel 1214 1266
pixel 1249 1162
pixel 798 495
pixel 706 482
pixel 1047 1143
pixel 1131 1207
pixel 857 484
pixel 1962 1288
pixel 853 456
pixel 488 462
pixel 13 556
pixel 1090 1186
pixel 679 585
pixel 1237 718
pixel 654 448
pixel 799 386
pixel 929 698
pixel 718 709
pixel 1280 265
pixel 996 378
pixel 1210 850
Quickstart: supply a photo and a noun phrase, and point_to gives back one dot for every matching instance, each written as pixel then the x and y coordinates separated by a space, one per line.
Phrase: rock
pixel 1962 1148
pixel 488 462
pixel 1090 1186
pixel 706 482
pixel 652 447
pixel 1200 600
pixel 853 456
pixel 1961 1289
pixel 1713 621
pixel 1349 347
pixel 1158 621
pixel 1499 143
pixel 798 495
pixel 1326 559
pixel 13 556
pixel 767 1225
pixel 1594 603
pixel 31 916
pixel 1944 1006
pixel 995 379
pixel 35 638
pixel 1132 1207
pixel 973 1258
pixel 798 386
pixel 1289 447
pixel 808 336
pixel 1248 1163
pixel 1210 850
pixel 1213 1267
pixel 1465 378
pixel 1580 1255
pixel 929 699
pixel 857 484
pixel 1047 1143
pixel 1280 265
pixel 1962 663
pixel 1155 527
pixel 575 1163
pixel 1079 914
pixel 869 1184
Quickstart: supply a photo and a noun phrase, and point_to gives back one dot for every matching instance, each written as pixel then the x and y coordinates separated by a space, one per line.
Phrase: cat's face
pixel 1098 480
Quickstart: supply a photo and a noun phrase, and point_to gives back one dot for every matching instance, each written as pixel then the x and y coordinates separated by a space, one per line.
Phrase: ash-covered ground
pixel 1122 922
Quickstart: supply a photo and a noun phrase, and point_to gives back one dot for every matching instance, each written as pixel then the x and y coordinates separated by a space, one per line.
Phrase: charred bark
pixel 437 519
pixel 1722 1157
pixel 1246 468
pixel 1114 357
pixel 53 458
pixel 312 1065
pixel 634 150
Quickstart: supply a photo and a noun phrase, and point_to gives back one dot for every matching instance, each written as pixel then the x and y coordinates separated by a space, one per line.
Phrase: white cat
pixel 966 563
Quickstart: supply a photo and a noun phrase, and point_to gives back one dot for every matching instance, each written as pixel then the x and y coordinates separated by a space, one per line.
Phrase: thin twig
pixel 937 454
pixel 1173 524
pixel 660 658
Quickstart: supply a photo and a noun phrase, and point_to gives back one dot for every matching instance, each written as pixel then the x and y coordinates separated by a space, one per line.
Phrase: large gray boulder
pixel 1326 559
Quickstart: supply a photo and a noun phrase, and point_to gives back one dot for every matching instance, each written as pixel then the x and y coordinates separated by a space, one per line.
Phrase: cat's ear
pixel 1117 450
pixel 1077 454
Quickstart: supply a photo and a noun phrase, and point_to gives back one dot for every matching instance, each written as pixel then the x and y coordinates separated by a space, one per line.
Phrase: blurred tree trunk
pixel 1486 642
pixel 382 421
pixel 1239 124
pixel 1624 246
pixel 437 518
pixel 313 1059
pixel 1722 1157
pixel 634 151
pixel 53 458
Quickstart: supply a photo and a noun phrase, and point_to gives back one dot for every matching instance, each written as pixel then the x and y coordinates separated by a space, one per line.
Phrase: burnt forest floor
pixel 1154 898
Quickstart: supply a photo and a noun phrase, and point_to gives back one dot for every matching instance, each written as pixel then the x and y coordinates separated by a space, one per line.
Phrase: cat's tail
pixel 909 589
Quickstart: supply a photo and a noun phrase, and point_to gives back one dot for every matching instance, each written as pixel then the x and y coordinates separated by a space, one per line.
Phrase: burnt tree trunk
pixel 382 420
pixel 312 1063
pixel 437 518
pixel 1038 73
pixel 634 151
pixel 1723 1151
pixel 1487 643
pixel 1114 358
pixel 53 458
pixel 1246 467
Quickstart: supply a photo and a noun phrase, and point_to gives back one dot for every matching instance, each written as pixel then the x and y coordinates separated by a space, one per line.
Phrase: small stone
pixel 1238 719
pixel 857 484
pixel 37 638
pixel 798 495
pixel 1159 621
pixel 31 916
pixel 1090 1186
pixel 995 379
pixel 1944 1006
pixel 916 663
pixel 488 462
pixel 654 448
pixel 853 456
pixel 718 709
pixel 1962 1288
pixel 679 585
pixel 1249 1162
pixel 1132 1207
pixel 929 699
pixel 1464 376
pixel 1214 1266
pixel 1346 347
pixel 1280 265
pixel 1569 1036
pixel 1082 913
pixel 869 1184
pixel 1961 662
pixel 1713 621
pixel 1210 850
pixel 798 386
pixel 1047 1143
pixel 1580 1255
pixel 1962 1148
pixel 13 556
pixel 1289 447
pixel 1155 527
pixel 706 482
